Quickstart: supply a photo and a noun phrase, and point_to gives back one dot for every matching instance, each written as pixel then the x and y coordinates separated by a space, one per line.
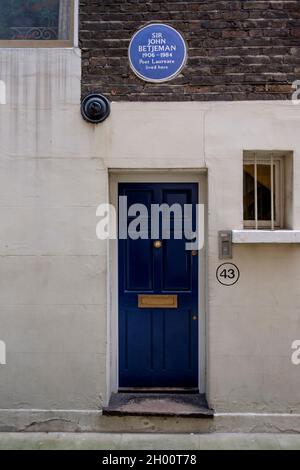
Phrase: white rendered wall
pixel 53 271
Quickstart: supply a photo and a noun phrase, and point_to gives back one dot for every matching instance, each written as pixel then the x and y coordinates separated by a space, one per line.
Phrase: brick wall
pixel 238 50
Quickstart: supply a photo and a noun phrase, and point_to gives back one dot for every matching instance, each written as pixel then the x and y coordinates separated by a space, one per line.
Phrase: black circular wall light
pixel 95 108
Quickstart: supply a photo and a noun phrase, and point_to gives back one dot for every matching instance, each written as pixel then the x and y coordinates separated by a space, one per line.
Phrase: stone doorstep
pixel 158 404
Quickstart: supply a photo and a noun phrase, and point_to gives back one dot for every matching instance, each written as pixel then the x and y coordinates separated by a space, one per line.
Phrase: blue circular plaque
pixel 157 53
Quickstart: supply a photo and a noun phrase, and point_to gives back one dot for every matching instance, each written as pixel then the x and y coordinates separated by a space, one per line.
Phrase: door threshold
pixel 185 405
pixel 160 390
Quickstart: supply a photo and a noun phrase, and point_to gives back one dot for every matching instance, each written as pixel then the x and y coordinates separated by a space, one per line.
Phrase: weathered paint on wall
pixel 53 271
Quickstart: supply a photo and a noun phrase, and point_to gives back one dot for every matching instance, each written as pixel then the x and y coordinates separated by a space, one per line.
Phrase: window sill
pixel 265 236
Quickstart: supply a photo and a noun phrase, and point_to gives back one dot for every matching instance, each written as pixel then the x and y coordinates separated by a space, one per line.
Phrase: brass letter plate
pixel 158 301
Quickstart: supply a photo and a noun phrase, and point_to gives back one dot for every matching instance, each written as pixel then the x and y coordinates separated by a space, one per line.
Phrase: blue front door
pixel 158 347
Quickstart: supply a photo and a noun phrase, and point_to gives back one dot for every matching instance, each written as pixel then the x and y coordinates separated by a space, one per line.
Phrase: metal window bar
pixel 272 168
pixel 255 193
pixel 272 195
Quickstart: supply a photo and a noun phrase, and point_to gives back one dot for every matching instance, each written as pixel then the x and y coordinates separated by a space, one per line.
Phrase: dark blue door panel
pixel 158 347
pixel 176 266
pixel 139 265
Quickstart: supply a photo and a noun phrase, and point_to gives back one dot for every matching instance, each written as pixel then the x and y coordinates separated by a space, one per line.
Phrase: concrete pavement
pixel 91 441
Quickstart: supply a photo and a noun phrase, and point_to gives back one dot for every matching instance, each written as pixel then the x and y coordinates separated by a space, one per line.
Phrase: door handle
pixel 157 244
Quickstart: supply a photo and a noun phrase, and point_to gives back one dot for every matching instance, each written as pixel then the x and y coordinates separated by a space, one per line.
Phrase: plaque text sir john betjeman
pixel 157 43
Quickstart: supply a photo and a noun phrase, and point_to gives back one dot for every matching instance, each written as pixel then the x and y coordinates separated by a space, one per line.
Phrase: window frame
pixel 263 158
pixel 52 43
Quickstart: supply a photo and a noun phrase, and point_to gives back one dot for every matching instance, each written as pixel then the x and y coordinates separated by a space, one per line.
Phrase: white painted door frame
pixel 154 176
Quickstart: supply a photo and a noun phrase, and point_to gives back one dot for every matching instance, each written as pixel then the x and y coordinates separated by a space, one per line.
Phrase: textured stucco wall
pixel 53 296
pixel 53 269
pixel 250 326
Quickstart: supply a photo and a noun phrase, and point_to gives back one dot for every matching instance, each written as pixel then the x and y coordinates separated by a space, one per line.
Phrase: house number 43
pixel 228 274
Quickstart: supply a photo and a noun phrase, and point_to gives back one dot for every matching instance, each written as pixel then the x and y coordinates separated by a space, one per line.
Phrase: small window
pixel 36 23
pixel 263 190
